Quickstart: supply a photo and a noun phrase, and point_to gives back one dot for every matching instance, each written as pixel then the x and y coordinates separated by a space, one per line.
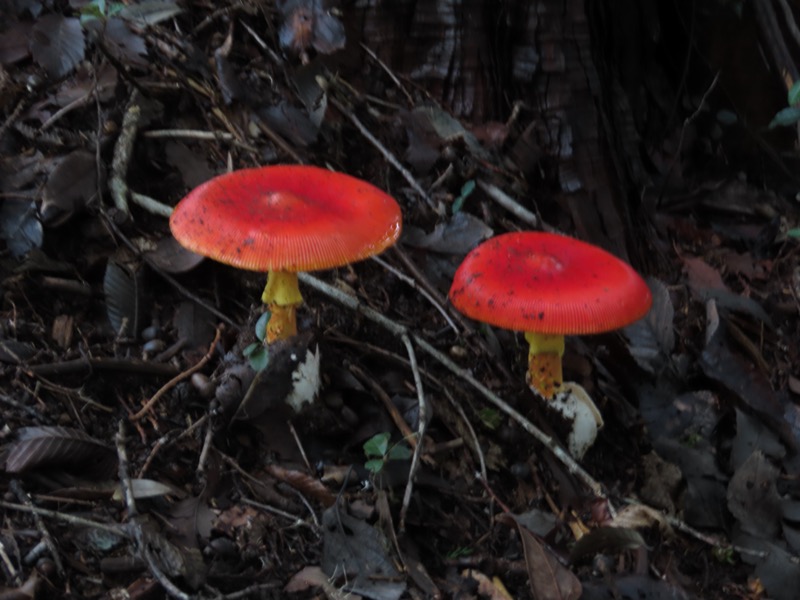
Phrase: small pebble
pixel 46 566
pixel 154 346
pixel 204 386
pixel 150 333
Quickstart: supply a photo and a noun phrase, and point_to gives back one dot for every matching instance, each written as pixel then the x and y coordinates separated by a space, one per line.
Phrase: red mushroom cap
pixel 286 218
pixel 549 284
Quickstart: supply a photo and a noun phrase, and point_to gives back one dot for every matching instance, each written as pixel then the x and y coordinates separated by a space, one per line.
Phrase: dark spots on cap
pixel 249 241
pixel 541 316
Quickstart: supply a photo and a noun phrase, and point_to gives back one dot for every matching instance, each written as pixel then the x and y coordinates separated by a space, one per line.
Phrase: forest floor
pixel 143 456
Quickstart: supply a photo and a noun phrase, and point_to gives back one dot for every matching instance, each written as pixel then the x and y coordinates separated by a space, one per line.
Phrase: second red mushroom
pixel 548 286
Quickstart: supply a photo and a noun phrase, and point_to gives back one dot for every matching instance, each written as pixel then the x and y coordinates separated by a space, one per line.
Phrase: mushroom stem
pixel 282 297
pixel 544 362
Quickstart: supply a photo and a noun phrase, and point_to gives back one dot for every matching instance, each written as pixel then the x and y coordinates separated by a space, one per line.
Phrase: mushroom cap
pixel 547 283
pixel 286 218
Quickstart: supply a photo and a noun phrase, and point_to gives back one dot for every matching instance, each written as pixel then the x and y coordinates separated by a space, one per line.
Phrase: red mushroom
pixel 286 219
pixel 548 286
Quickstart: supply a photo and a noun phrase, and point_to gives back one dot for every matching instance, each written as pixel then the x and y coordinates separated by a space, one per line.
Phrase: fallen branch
pixel 399 330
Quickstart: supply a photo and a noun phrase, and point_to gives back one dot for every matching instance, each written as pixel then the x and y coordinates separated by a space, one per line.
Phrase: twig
pixel 23 497
pixel 277 139
pixel 421 425
pixel 135 525
pixel 275 511
pixel 253 591
pixel 122 155
pixel 160 443
pixel 300 447
pixel 457 316
pixel 511 205
pixel 390 407
pixel 151 205
pixel 389 72
pixel 476 445
pixel 11 572
pixel 13 116
pixel 116 529
pixel 196 134
pixel 178 378
pixel 123 151
pixel 82 365
pixel 207 441
pixel 399 330
pixel 425 294
pixel 688 121
pixel 67 108
pixel 192 134
pixel 390 158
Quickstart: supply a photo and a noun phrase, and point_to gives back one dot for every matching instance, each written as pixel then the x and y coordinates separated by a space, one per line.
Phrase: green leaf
pixel 793 96
pixel 261 325
pixel 399 452
pixel 459 552
pixel 466 190
pixel 258 355
pixel 374 466
pixel 785 117
pixel 490 417
pixel 377 445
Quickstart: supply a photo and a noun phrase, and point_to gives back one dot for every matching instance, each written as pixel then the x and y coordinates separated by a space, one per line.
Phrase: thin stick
pixel 476 445
pixel 178 378
pixel 198 134
pixel 390 158
pixel 397 418
pixel 389 72
pixel 123 151
pixel 207 443
pixel 299 445
pixel 511 205
pixel 137 530
pixel 25 499
pixel 422 423
pixel 116 529
pixel 399 330
pixel 427 295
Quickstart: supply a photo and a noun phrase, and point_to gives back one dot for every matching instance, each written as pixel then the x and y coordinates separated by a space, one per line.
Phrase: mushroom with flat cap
pixel 286 219
pixel 548 286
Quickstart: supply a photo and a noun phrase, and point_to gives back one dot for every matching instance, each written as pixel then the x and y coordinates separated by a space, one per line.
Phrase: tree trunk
pixel 479 57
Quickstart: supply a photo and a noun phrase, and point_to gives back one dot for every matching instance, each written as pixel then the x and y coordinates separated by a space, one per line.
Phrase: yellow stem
pixel 544 363
pixel 282 297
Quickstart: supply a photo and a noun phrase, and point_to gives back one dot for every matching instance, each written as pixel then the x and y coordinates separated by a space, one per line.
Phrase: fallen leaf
pixel 20 227
pixel 40 447
pixel 548 578
pixel 57 44
pixel 753 497
pixel 356 551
